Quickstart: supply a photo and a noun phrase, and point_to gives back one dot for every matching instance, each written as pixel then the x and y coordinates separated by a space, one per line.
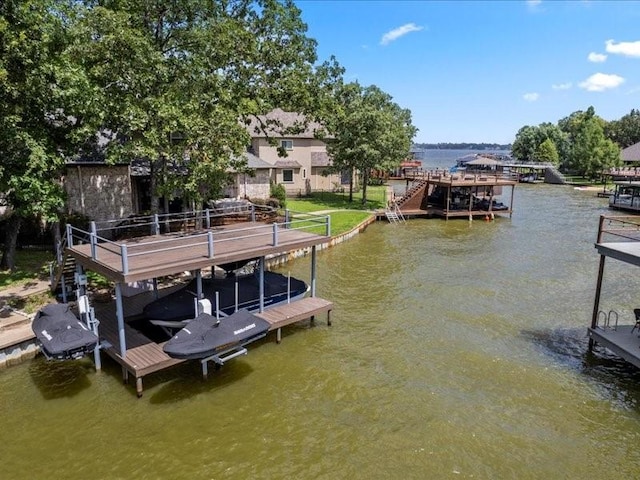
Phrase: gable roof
pixel 320 159
pixel 631 153
pixel 287 164
pixel 278 121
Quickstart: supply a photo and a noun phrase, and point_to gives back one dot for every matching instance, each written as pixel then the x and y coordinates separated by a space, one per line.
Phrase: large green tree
pixel 547 152
pixel 369 131
pixel 176 79
pixel 36 101
pixel 591 152
pixel 526 146
pixel 625 131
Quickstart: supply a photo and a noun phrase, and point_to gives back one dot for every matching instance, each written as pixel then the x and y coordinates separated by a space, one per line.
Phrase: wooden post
pixel 596 301
pixel 513 189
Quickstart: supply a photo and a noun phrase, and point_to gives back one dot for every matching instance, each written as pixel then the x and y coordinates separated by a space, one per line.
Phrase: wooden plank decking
pixel 144 356
pixel 160 255
pixel 620 341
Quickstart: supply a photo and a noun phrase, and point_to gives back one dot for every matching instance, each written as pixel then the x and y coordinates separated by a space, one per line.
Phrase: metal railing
pixel 621 228
pixel 98 243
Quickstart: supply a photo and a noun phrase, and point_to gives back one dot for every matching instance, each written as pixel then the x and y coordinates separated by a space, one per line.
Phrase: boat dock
pixel 442 194
pixel 618 239
pixel 145 356
pixel 151 257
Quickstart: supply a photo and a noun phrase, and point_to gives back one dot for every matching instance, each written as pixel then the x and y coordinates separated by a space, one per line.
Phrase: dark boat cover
pixel 205 335
pixel 179 305
pixel 61 334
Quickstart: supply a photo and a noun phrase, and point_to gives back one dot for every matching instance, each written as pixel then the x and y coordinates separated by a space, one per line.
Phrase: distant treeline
pixel 461 146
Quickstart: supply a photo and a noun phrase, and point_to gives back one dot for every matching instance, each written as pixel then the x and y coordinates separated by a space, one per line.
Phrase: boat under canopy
pixel 61 334
pixel 207 336
pixel 233 293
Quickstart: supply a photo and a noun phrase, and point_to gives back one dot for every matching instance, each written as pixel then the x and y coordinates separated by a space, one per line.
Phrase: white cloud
pixel 534 5
pixel 562 86
pixel 599 82
pixel 597 57
pixel 628 49
pixel 396 33
pixel 531 97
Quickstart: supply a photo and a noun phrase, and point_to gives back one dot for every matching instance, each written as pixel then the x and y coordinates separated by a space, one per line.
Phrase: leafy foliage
pixel 369 131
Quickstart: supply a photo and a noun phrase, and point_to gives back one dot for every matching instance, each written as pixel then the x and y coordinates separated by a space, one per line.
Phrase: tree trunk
pixel 10 243
pixel 351 186
pixel 365 180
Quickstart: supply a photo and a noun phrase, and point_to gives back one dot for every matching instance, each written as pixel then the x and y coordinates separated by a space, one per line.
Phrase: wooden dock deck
pixel 620 340
pixel 144 356
pixel 212 243
pixel 155 256
pixel 619 239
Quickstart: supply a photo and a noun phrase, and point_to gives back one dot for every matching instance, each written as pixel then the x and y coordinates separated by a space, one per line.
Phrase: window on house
pixel 304 173
pixel 287 175
pixel 286 144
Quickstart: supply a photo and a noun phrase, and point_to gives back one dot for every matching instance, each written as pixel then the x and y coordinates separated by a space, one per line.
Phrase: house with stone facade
pixel 100 191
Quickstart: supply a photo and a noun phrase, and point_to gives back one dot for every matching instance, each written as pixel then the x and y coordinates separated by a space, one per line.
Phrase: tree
pixel 529 139
pixel 546 152
pixel 626 131
pixel 525 144
pixel 174 80
pixel 369 131
pixel 591 151
pixel 34 107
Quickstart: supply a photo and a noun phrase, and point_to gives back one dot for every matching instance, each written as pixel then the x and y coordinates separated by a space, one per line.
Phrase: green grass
pixel 31 265
pixel 376 198
pixel 341 222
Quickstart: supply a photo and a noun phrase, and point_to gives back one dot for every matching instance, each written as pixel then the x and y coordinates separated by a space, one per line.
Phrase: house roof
pixel 281 124
pixel 320 159
pixel 287 164
pixel 253 161
pixel 631 153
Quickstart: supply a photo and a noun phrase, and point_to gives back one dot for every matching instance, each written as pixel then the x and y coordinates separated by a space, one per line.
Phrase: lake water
pixel 458 350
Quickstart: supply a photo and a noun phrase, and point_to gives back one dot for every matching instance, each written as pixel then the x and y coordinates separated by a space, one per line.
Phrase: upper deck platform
pixel 204 245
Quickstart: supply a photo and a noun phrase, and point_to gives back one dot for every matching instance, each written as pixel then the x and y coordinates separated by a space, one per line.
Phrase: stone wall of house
pixel 101 192
pixel 247 186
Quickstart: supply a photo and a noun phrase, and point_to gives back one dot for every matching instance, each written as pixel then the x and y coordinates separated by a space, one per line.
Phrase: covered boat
pixel 179 306
pixel 207 335
pixel 61 334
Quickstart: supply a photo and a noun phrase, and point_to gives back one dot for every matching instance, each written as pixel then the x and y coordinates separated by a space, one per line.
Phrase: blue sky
pixel 478 71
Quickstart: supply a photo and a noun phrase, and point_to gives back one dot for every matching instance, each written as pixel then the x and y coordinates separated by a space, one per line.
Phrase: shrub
pixel 278 192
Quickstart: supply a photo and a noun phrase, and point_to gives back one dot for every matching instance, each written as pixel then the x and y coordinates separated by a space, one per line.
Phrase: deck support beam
pixel 313 271
pixel 120 317
pixel 261 282
pixel 596 300
pixel 199 285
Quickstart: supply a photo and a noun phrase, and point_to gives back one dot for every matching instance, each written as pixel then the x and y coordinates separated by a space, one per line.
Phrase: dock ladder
pixel 394 214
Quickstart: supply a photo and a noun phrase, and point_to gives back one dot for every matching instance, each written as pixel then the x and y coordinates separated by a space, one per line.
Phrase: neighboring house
pixel 631 154
pixel 304 169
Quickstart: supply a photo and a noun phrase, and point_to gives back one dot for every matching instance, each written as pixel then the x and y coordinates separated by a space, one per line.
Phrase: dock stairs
pixel 62 273
pixel 394 214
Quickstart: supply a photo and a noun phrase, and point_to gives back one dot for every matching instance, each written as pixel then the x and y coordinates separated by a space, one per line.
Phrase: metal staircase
pixel 393 214
pixel 62 272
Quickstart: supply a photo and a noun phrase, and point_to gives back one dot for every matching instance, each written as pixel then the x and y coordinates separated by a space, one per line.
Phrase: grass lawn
pixel 30 265
pixel 376 198
pixel 341 222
